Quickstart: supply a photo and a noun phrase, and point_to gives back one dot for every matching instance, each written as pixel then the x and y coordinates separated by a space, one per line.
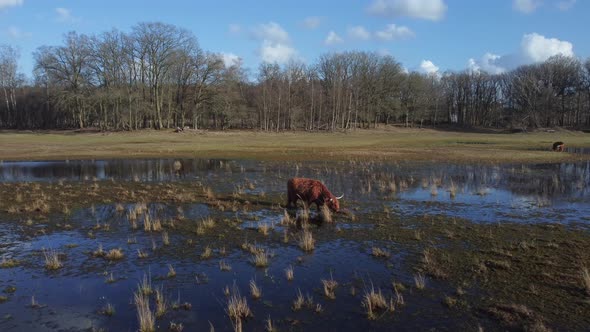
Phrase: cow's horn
pixel 340 196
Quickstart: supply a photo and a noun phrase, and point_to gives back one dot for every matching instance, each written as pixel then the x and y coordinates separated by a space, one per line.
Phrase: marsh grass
pixel 161 302
pixel 142 254
pixel 286 220
pixel 420 281
pixel 108 310
pixel 326 214
pixel 264 228
pixel 255 291
pixel 374 301
pixel 165 238
pixel 299 301
pixel 268 326
pixel 34 303
pixel 145 316
pixel 289 273
pixel 8 263
pixel 224 266
pixel 260 259
pixel 330 287
pixel 207 252
pixel 306 241
pixel 380 253
pixel 237 308
pixel 171 271
pixel 110 279
pixel 145 285
pixel 115 254
pixel 52 261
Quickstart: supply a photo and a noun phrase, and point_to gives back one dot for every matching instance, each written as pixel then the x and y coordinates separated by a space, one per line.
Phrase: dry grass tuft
pixel 420 281
pixel 142 254
pixel 260 259
pixel 108 310
pixel 99 252
pixel 171 271
pixel 237 309
pixel 289 273
pixel 586 279
pixel 306 241
pixel 207 252
pixel 268 326
pixel 379 252
pixel 255 290
pixel 52 261
pixel 114 254
pixel 299 301
pixel 161 303
pixel 326 214
pixel 165 238
pixel 145 316
pixel 374 301
pixel 224 266
pixel 329 287
pixel 8 263
pixel 145 286
pixel 287 220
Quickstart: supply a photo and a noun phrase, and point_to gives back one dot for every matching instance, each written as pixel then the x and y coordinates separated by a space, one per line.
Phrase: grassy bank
pixel 396 144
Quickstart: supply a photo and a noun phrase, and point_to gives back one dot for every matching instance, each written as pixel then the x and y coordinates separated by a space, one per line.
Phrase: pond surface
pixel 72 297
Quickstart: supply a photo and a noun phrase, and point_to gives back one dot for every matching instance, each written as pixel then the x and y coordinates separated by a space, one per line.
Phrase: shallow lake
pixel 377 195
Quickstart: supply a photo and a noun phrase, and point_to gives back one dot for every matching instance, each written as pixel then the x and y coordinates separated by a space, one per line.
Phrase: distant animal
pixel 559 146
pixel 311 191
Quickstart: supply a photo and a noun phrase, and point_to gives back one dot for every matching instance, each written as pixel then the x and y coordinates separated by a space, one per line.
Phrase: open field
pixel 394 144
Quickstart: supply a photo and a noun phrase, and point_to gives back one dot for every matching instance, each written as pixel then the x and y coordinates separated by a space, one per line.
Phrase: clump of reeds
pixel 420 281
pixel 114 254
pixel 286 220
pixel 208 192
pixel 299 301
pixel 260 259
pixel 433 190
pixel 374 301
pixel 206 253
pixel 8 263
pixel 145 285
pixel 171 271
pixel 379 252
pixel 268 326
pixel 237 309
pixel 224 266
pixel 110 279
pixel 52 261
pixel 306 241
pixel 165 238
pixel 264 228
pixel 255 291
pixel 330 287
pixel 161 303
pixel 145 316
pixel 175 327
pixel 289 273
pixel 108 310
pixel 326 214
pixel 142 254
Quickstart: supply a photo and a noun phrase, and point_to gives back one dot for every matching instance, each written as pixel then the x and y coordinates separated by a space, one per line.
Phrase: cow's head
pixel 332 202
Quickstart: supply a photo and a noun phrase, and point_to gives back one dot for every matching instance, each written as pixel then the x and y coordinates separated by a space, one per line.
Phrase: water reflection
pixel 543 192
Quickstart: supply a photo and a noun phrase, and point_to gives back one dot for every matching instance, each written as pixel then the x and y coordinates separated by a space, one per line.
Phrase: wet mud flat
pixel 415 249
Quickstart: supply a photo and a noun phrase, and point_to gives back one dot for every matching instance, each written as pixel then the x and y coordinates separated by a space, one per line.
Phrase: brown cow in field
pixel 311 191
pixel 559 146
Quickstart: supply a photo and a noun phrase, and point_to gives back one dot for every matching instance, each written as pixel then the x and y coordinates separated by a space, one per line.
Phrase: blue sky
pixel 424 35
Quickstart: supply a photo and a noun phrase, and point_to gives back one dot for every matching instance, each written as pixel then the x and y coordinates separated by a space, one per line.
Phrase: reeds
pixel 379 252
pixel 114 254
pixel 145 316
pixel 289 273
pixel 224 266
pixel 142 254
pixel 237 309
pixel 586 279
pixel 165 238
pixel 108 310
pixel 161 303
pixel 52 261
pixel 260 259
pixel 306 241
pixel 206 254
pixel 374 301
pixel 326 214
pixel 171 271
pixel 329 287
pixel 420 281
pixel 299 301
pixel 255 291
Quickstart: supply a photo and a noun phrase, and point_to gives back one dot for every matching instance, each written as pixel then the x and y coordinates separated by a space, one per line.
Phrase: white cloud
pixel 392 32
pixel 276 44
pixel 312 22
pixel 16 33
pixel 279 53
pixel 65 15
pixel 424 9
pixel 534 48
pixel 333 39
pixel 10 3
pixel 272 32
pixel 427 67
pixel 230 59
pixel 526 6
pixel 565 5
pixel 359 32
pixel 537 48
pixel 488 63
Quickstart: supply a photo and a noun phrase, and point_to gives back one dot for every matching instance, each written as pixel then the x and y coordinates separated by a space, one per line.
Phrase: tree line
pixel 157 76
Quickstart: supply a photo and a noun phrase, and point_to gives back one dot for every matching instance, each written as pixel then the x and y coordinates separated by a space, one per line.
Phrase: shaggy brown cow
pixel 311 191
pixel 559 146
